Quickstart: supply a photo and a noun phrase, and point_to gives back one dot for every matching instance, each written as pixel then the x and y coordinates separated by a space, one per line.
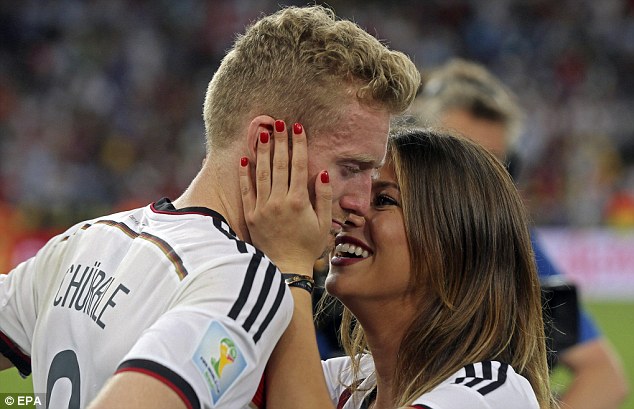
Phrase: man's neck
pixel 219 190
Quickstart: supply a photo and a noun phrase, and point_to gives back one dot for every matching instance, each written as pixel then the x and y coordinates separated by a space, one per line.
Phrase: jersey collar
pixel 165 206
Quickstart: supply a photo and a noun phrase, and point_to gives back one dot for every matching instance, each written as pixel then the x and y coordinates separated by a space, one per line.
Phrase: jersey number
pixel 64 365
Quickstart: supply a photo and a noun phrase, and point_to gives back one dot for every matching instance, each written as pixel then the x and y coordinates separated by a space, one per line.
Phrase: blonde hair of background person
pixel 459 90
pixel 200 276
pixel 456 295
pixel 464 96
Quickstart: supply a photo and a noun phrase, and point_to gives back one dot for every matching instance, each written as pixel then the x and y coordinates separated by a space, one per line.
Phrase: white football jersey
pixel 173 294
pixel 482 385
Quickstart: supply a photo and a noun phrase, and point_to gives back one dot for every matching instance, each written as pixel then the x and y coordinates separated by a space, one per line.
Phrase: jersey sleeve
pixel 483 385
pixel 212 345
pixel 451 397
pixel 17 316
pixel 20 291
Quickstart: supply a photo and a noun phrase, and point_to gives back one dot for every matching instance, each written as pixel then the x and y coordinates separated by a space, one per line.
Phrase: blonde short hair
pixel 302 64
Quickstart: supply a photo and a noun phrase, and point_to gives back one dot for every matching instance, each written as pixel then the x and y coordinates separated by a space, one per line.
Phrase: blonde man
pixel 169 306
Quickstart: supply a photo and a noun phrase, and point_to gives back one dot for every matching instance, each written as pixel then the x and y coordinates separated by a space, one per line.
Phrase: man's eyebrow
pixel 365 161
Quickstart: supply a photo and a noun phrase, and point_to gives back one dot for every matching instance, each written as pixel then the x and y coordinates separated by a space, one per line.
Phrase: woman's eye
pixel 384 200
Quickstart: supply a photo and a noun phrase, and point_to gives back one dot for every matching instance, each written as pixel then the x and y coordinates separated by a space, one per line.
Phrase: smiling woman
pixel 434 302
pixel 438 311
pixel 370 246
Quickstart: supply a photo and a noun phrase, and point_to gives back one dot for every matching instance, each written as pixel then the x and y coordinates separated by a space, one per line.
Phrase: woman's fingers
pixel 246 187
pixel 263 169
pixel 279 200
pixel 299 174
pixel 279 186
pixel 319 213
pixel 323 203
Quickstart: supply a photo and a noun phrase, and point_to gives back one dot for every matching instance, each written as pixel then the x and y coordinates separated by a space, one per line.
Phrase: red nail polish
pixel 325 178
pixel 264 137
pixel 297 129
pixel 244 161
pixel 279 126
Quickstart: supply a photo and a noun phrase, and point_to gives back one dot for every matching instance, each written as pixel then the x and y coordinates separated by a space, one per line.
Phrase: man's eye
pixel 385 200
pixel 352 169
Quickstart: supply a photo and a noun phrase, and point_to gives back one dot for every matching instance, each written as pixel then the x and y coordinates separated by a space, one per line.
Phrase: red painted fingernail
pixel 264 137
pixel 244 161
pixel 297 128
pixel 279 126
pixel 325 178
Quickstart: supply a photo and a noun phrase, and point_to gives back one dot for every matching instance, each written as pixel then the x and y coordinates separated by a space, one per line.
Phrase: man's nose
pixel 357 199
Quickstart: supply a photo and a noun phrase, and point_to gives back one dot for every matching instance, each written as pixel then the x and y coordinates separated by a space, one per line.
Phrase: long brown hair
pixel 471 253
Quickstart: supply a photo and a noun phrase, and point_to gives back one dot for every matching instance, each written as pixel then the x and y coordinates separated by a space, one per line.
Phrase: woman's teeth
pixel 350 250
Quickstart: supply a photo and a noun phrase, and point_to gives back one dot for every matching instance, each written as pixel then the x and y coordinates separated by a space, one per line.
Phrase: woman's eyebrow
pixel 382 184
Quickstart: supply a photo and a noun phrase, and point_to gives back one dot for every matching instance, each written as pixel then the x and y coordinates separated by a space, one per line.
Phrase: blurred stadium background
pixel 100 110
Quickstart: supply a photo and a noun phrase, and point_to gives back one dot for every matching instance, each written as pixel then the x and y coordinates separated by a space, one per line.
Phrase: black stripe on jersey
pixel 11 351
pixel 170 378
pixel 266 288
pixel 474 382
pixel 469 373
pixel 487 370
pixel 230 234
pixel 226 231
pixel 220 226
pixel 487 375
pixel 246 286
pixel 272 311
pixel 421 407
pixel 499 382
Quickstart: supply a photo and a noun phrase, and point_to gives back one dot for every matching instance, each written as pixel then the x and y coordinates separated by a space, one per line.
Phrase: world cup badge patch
pixel 219 360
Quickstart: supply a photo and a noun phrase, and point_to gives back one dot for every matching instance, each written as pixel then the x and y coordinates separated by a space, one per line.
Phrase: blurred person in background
pixel 168 305
pixel 466 97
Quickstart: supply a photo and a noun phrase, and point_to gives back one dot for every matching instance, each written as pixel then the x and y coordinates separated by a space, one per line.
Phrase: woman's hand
pixel 281 219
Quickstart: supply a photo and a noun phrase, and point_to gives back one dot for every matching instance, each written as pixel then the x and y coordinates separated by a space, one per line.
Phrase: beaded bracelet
pixel 300 281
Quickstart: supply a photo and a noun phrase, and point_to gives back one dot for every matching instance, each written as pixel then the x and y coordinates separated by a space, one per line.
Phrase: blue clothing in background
pixel 588 330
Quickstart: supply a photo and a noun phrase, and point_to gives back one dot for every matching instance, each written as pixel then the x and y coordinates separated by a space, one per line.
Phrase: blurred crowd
pixel 101 100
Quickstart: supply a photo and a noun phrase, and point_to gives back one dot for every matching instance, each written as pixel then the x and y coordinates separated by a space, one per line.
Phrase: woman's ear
pixel 259 124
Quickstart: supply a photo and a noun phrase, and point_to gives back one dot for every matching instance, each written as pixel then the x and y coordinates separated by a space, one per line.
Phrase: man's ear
pixel 259 124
